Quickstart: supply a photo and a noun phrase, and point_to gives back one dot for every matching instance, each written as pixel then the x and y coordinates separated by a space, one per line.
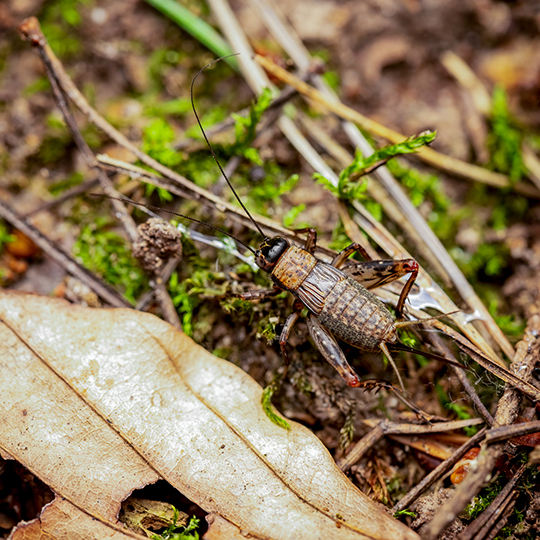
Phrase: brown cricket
pixel 338 300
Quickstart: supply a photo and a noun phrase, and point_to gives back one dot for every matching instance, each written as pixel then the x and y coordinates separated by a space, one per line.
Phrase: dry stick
pixel 438 472
pixel 527 354
pixel 483 523
pixel 57 254
pixel 440 161
pixel 386 427
pixel 147 299
pixel 459 280
pixel 30 31
pixel 68 194
pixel 466 77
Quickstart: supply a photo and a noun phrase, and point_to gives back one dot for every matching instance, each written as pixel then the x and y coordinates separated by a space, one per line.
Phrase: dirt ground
pixel 386 58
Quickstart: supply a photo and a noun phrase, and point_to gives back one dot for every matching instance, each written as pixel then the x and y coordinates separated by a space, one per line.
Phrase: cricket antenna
pixel 210 146
pixel 151 207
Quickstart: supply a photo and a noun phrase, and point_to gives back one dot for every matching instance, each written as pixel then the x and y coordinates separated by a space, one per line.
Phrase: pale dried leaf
pixel 98 403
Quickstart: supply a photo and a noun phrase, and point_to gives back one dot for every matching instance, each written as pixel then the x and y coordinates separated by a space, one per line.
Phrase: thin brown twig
pixel 31 31
pixel 68 194
pixel 393 428
pixel 441 347
pixel 57 254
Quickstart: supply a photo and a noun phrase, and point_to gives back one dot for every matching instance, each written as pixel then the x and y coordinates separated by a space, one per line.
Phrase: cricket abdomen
pixel 356 316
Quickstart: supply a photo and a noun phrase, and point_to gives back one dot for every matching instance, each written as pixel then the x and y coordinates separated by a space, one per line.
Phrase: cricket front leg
pixel 311 240
pixel 329 348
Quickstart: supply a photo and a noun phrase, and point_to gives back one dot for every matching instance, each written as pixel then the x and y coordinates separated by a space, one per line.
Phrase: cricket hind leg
pixel 329 348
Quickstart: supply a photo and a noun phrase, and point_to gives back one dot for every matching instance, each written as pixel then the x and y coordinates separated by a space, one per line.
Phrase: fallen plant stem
pixel 385 427
pixel 438 472
pixel 31 32
pixel 68 194
pixel 442 349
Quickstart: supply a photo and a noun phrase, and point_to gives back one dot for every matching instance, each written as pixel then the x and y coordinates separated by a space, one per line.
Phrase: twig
pixel 58 255
pixel 513 379
pixel 527 355
pixel 146 300
pixel 61 85
pixel 166 304
pixel 438 472
pixel 504 433
pixel 436 159
pixel 31 31
pixel 440 347
pixel 393 428
pixel 68 194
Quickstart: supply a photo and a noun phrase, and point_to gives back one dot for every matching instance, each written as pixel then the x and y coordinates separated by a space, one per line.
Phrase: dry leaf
pixel 98 403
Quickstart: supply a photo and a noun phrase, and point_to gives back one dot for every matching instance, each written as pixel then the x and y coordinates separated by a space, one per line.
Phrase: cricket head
pixel 270 251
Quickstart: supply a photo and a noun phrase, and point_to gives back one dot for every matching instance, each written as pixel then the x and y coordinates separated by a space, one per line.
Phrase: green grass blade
pixel 195 26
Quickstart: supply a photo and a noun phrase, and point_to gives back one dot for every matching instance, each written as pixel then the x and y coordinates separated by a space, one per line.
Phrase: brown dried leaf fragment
pixel 98 403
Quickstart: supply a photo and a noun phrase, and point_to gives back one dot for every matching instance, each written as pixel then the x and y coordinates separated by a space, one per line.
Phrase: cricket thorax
pixel 293 268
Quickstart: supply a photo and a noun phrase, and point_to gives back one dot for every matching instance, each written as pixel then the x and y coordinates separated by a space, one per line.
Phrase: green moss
pixel 108 255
